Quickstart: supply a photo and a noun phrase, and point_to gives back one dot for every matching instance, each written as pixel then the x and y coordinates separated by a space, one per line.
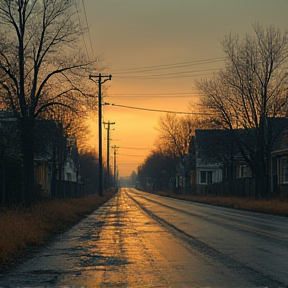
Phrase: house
pixel 205 162
pixel 45 141
pixel 279 167
pixel 10 161
pixel 215 152
pixel 218 158
pixel 70 170
pixel 47 154
pixel 42 176
pixel 184 175
pixel 219 162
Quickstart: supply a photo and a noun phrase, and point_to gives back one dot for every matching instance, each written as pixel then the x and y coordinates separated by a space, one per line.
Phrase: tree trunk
pixel 2 179
pixel 261 176
pixel 27 133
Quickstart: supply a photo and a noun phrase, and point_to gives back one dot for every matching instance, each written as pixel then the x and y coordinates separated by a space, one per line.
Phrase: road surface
pixel 142 240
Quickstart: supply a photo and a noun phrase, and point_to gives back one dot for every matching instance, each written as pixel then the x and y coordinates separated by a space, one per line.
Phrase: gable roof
pixel 219 145
pixel 215 145
pixel 46 132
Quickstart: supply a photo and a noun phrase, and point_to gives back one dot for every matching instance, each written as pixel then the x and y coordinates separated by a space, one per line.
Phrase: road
pixel 142 240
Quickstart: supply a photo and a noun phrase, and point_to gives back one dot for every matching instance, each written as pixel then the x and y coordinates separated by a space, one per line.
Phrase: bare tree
pixel 249 92
pixel 40 66
pixel 157 171
pixel 175 133
pixel 174 140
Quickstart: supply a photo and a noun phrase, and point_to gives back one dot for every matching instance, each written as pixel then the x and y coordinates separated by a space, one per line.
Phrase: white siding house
pixel 70 170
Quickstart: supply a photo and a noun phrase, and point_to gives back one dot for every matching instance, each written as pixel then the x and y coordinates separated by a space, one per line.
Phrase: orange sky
pixel 154 50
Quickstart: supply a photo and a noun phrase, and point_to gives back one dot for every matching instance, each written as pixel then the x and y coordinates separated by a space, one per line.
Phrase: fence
pixel 68 189
pixel 241 187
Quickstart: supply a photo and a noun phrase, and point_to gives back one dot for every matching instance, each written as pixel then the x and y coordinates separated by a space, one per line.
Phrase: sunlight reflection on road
pixel 120 245
pixel 133 250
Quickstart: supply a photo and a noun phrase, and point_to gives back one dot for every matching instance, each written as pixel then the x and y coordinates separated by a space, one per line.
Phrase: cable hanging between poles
pixel 157 110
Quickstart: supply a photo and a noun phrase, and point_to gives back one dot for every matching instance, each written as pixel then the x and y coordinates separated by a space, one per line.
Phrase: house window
pixel 69 178
pixel 244 171
pixel 284 163
pixel 209 177
pixel 205 177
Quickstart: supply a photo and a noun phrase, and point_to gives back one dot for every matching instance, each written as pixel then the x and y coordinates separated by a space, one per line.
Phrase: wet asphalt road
pixel 143 240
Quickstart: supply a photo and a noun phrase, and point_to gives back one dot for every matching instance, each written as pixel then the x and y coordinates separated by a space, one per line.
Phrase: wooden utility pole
pixel 100 81
pixel 115 166
pixel 108 150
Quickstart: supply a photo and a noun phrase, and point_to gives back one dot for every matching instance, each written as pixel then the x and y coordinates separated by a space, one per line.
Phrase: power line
pixel 175 73
pixel 170 71
pixel 146 78
pixel 158 95
pixel 80 26
pixel 88 29
pixel 130 155
pixel 128 164
pixel 159 77
pixel 150 96
pixel 156 110
pixel 180 74
pixel 133 148
pixel 155 94
pixel 168 66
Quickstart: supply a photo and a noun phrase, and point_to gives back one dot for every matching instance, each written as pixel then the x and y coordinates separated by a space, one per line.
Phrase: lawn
pixel 268 206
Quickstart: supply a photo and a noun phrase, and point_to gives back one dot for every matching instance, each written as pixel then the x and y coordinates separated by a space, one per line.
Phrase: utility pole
pixel 108 150
pixel 115 166
pixel 101 80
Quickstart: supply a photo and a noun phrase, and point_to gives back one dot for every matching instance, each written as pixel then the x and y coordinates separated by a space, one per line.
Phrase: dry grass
pixel 25 227
pixel 22 228
pixel 274 206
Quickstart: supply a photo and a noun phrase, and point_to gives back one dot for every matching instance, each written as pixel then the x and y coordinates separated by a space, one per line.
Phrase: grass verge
pixel 23 229
pixel 273 206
